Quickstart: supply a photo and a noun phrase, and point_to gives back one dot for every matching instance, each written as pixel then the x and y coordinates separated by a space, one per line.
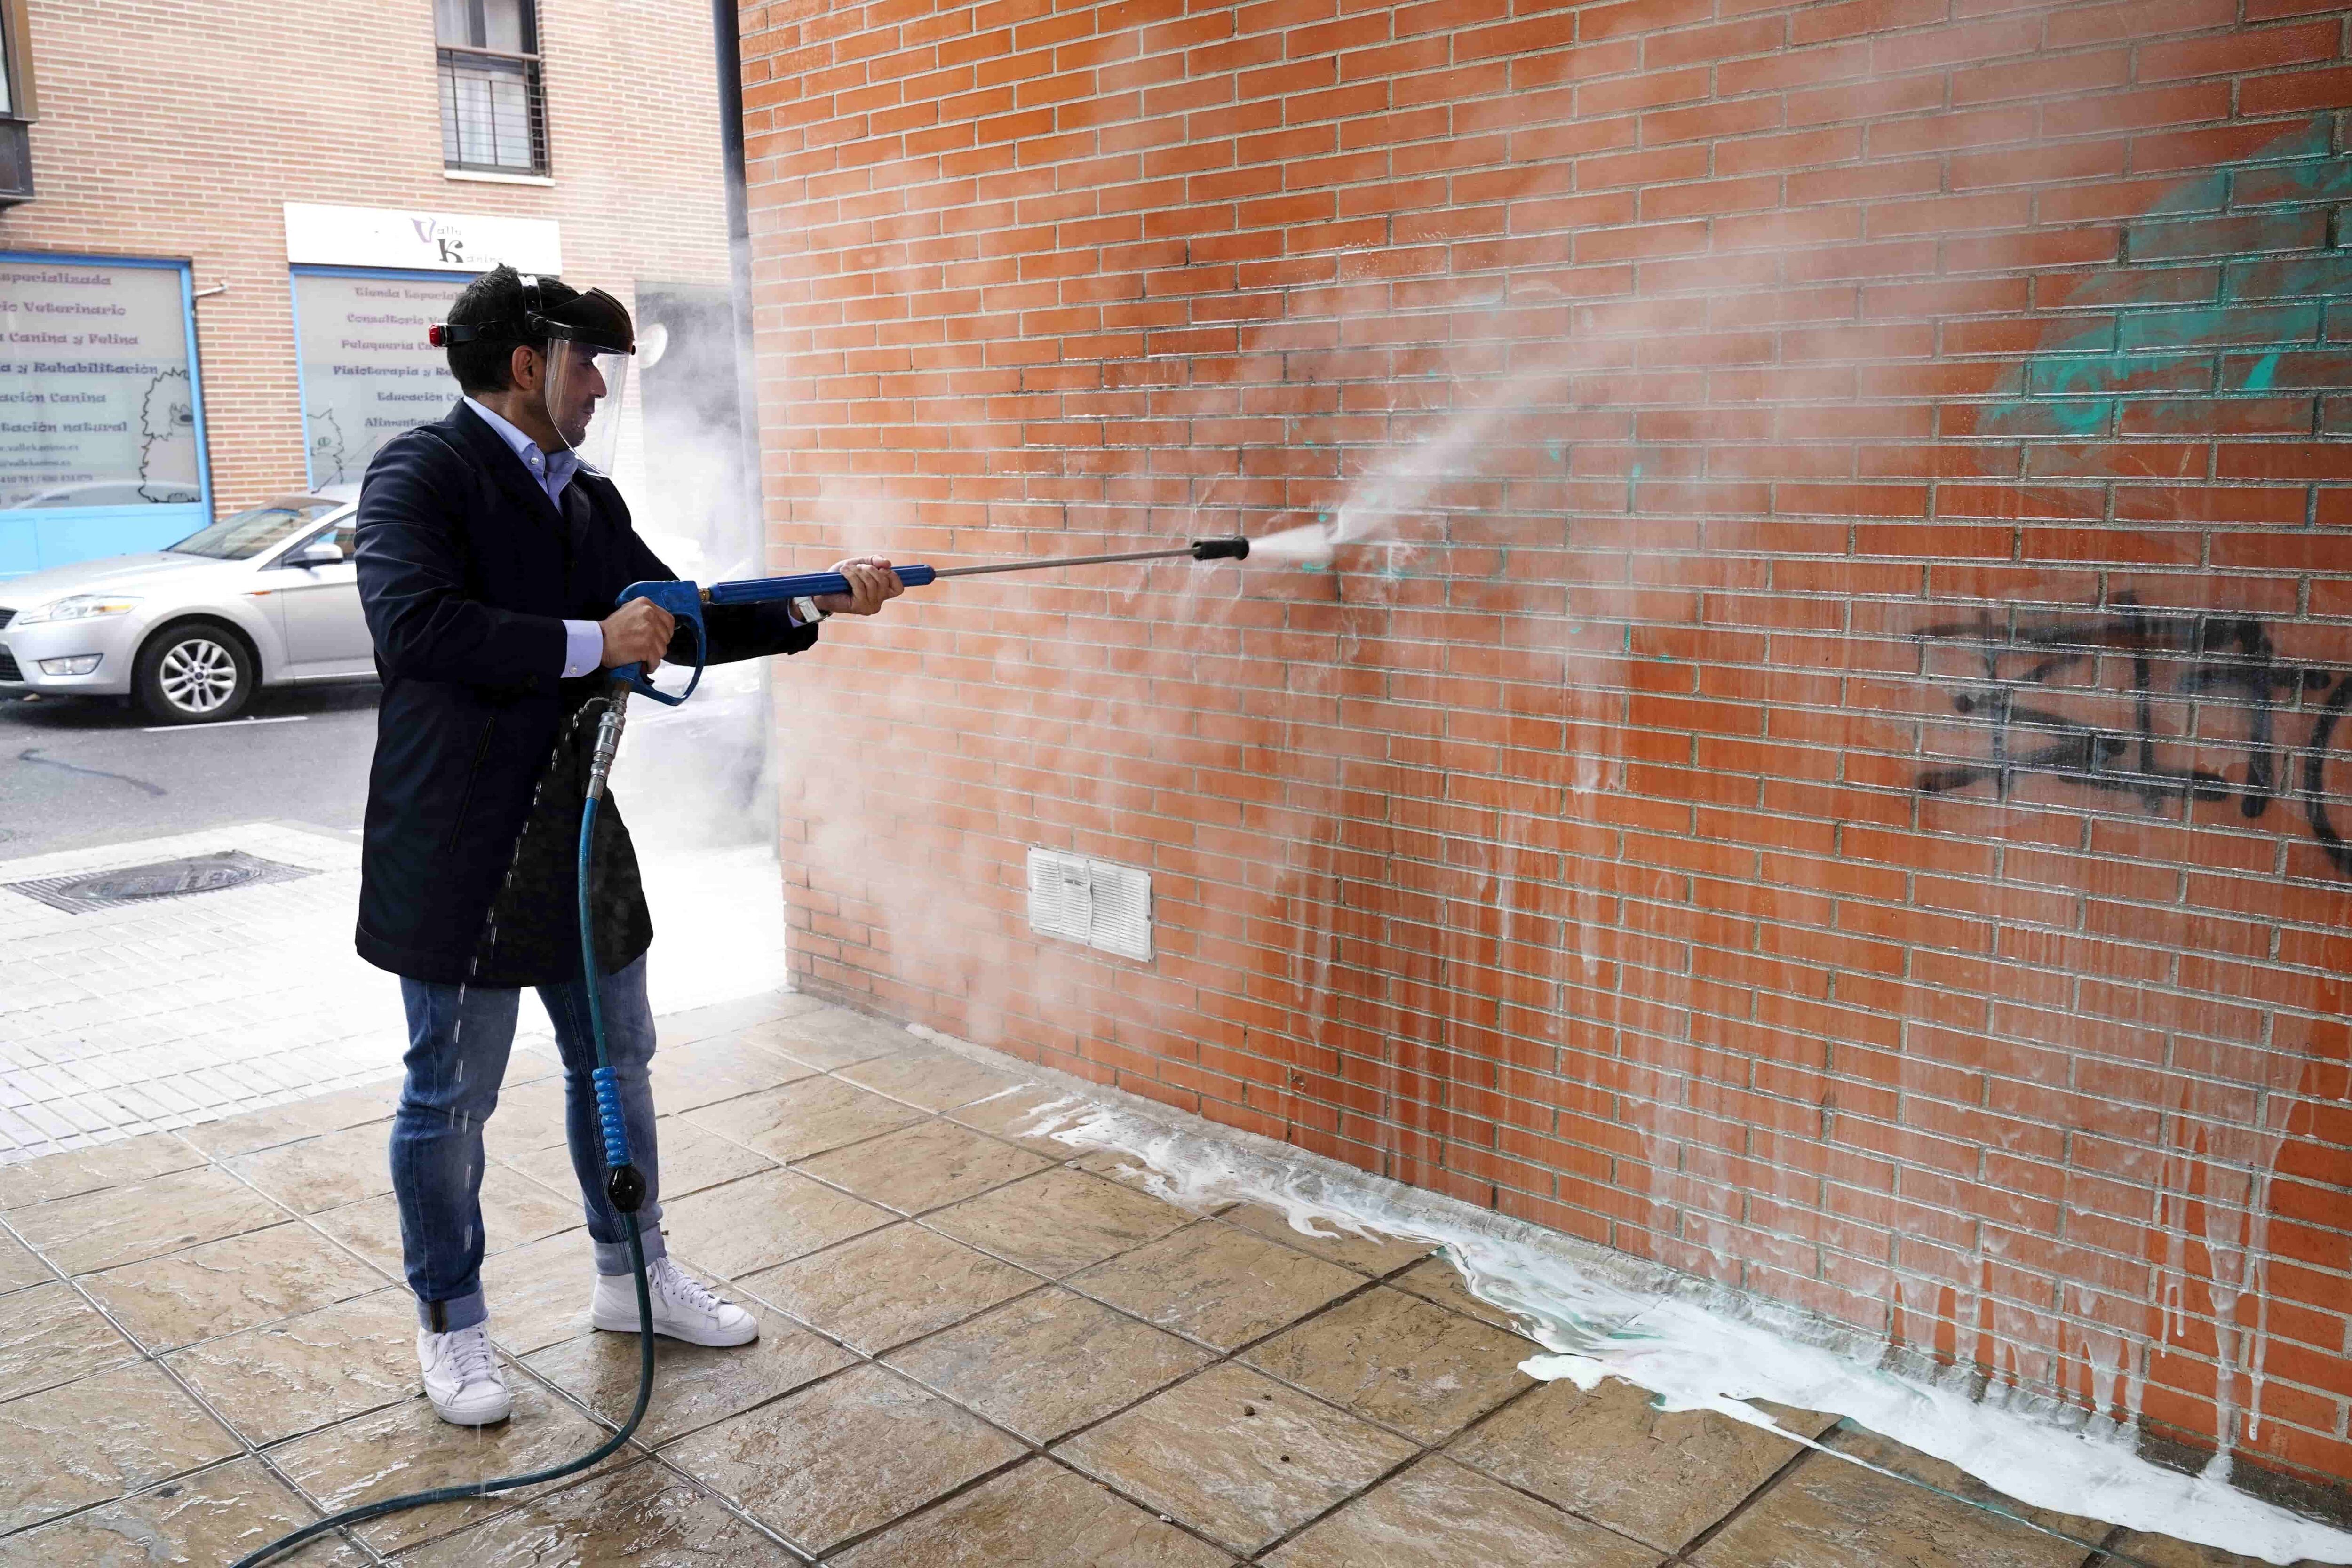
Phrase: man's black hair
pixel 493 303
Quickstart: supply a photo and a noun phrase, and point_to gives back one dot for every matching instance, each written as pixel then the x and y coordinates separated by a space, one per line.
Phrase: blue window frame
pixel 102 447
pixel 365 369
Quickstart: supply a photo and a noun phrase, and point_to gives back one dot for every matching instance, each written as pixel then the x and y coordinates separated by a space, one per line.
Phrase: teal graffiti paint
pixel 2227 286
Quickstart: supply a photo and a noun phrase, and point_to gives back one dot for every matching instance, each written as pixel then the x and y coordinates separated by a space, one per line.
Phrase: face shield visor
pixel 584 377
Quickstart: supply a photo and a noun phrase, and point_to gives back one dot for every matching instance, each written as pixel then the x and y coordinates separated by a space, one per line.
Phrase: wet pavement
pixel 978 1347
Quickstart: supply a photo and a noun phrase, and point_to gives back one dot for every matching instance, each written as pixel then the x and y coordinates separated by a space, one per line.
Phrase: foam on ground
pixel 1697 1347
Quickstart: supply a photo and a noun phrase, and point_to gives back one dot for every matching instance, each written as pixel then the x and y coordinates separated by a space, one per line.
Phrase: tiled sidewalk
pixel 976 1349
pixel 161 1014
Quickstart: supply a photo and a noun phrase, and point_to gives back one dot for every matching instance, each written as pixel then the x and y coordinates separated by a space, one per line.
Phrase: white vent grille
pixel 1106 906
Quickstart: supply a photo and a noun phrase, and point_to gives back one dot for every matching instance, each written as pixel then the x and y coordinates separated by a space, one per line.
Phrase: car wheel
pixel 196 673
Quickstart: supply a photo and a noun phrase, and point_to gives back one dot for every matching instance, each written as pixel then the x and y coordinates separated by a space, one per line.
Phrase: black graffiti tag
pixel 2034 678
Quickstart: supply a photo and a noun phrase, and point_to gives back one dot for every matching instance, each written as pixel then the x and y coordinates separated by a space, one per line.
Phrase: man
pixel 489 560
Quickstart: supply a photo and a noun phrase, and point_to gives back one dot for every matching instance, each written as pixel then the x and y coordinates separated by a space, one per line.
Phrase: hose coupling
pixel 608 740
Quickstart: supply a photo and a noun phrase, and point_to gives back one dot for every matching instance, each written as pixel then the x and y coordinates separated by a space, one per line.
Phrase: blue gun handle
pixel 771 590
pixel 684 601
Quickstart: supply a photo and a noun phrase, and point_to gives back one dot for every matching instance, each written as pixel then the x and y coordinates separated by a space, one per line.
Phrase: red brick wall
pixel 1823 763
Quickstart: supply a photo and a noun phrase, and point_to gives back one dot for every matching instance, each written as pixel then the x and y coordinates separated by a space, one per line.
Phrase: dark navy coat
pixel 468 573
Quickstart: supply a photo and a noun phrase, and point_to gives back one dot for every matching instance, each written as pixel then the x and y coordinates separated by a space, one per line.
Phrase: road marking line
pixel 232 724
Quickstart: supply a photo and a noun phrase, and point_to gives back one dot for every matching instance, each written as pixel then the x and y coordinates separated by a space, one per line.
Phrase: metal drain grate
pixel 91 890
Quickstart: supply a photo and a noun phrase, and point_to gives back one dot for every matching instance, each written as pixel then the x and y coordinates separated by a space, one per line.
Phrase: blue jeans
pixel 459 1037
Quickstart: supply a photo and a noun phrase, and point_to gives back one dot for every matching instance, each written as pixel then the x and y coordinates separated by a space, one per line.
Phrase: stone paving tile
pixel 18 1266
pixel 836 1038
pixel 1889 1454
pixel 1437 1280
pixel 889 1286
pixel 1048 1363
pixel 647 1516
pixel 731 1020
pixel 2163 1551
pixel 934 1079
pixel 1613 1457
pixel 212 1516
pixel 924 1166
pixel 515 1211
pixel 528 1118
pixel 1059 1222
pixel 1400 1361
pixel 1009 1116
pixel 81 1171
pixel 1236 1456
pixel 1439 1515
pixel 50 1335
pixel 372 1229
pixel 538 1293
pixel 690 1160
pixel 784 1006
pixel 1826 1514
pixel 1036 1515
pixel 322 1173
pixel 254 1130
pixel 1366 1255
pixel 407 1448
pixel 93 1440
pixel 707 1073
pixel 694 1386
pixel 1219 1284
pixel 324 1366
pixel 805 1119
pixel 223 1285
pixel 763 1220
pixel 145 1219
pixel 852 1454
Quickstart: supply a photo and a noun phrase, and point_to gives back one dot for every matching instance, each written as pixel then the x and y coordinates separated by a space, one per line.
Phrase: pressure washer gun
pixel 684 601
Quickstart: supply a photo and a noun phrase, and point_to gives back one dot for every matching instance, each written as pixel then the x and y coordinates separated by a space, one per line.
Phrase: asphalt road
pixel 78 774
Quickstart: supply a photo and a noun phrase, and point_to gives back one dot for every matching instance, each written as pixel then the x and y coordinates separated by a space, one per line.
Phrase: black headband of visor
pixel 607 328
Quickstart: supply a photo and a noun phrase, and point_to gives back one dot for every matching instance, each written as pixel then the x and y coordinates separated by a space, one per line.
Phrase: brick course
pixel 1823 759
pixel 176 131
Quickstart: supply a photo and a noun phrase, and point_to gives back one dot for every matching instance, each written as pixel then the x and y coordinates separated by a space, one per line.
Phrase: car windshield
pixel 248 533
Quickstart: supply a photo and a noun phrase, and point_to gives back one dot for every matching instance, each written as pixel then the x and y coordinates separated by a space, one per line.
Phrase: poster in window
pixel 96 404
pixel 368 373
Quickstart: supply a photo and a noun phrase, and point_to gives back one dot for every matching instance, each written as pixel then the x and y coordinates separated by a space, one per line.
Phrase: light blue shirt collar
pixel 554 470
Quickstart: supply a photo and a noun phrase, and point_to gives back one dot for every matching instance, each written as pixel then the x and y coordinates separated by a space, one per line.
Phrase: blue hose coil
pixel 608 1117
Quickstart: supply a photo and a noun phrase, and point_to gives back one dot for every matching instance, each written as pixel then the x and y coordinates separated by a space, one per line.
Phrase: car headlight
pixel 78 607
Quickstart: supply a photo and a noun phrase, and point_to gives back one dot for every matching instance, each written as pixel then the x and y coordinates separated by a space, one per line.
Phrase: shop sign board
pixel 323 236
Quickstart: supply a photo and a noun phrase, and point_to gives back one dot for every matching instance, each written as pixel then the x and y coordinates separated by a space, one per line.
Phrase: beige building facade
pixel 241 216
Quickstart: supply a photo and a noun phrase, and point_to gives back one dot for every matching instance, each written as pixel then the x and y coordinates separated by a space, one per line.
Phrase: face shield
pixel 584 377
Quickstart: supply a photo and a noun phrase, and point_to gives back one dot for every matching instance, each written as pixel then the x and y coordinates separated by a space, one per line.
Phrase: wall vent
pixel 1107 907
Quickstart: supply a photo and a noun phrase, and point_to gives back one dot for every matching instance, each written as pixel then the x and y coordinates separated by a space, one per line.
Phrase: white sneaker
pixel 462 1376
pixel 683 1308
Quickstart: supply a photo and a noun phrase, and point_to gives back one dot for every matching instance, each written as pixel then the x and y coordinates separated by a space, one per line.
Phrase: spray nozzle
pixel 1236 549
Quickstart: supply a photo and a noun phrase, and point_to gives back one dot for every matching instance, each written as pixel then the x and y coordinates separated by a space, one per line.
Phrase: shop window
pixel 367 373
pixel 493 109
pixel 101 420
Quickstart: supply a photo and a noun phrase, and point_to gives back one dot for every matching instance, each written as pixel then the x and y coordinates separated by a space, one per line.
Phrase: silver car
pixel 264 597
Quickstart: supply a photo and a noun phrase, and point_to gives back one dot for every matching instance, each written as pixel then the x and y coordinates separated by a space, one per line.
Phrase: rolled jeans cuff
pixel 613 1256
pixel 460 1313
